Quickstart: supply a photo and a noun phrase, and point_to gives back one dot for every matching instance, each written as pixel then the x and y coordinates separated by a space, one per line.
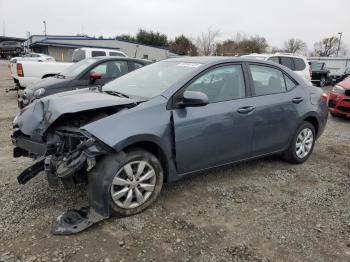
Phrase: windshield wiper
pixel 116 93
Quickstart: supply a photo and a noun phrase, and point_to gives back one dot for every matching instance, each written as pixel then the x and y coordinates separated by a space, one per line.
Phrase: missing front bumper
pixel 74 221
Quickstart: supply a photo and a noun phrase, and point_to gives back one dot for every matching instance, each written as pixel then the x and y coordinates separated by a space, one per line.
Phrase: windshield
pixel 151 80
pixel 316 66
pixel 77 68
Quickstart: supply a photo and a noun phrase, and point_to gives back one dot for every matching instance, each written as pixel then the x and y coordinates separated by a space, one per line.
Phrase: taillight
pixel 324 97
pixel 19 70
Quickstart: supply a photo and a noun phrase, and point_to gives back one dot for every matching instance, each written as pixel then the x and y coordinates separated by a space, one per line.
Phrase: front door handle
pixel 297 100
pixel 245 109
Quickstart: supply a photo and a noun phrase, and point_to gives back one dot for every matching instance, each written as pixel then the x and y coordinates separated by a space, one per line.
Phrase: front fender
pixel 146 122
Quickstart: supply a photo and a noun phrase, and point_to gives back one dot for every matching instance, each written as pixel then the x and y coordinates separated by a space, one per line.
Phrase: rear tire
pixel 302 144
pixel 138 180
pixel 322 81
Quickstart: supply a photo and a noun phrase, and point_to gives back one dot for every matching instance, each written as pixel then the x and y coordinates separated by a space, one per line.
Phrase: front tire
pixel 302 144
pixel 137 182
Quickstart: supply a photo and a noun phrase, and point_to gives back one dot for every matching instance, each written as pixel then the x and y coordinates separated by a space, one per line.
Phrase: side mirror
pixel 94 76
pixel 193 98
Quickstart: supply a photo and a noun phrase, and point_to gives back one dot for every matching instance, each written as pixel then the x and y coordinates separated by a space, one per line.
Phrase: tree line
pixel 207 43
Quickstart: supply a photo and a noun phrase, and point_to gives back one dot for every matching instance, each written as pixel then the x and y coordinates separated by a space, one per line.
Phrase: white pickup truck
pixel 25 73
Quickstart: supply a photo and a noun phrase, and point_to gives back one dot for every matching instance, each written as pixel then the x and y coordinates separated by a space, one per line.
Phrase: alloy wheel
pixel 133 184
pixel 304 143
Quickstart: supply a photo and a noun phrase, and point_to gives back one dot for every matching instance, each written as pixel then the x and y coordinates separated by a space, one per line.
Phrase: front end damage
pixel 66 152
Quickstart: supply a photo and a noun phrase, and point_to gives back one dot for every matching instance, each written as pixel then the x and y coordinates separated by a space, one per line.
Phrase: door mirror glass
pixel 193 98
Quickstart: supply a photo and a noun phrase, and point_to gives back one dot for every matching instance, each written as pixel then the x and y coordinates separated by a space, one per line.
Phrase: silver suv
pixel 294 62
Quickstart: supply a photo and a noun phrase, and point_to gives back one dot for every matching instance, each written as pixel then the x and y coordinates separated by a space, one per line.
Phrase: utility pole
pixel 340 34
pixel 44 22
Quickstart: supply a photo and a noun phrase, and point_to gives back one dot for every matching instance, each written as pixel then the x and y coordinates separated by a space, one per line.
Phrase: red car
pixel 339 99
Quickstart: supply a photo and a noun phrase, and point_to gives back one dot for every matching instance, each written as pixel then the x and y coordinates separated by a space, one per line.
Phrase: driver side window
pixel 221 84
pixel 112 69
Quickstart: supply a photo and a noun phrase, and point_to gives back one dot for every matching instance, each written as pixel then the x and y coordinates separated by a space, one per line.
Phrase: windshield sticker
pixel 194 65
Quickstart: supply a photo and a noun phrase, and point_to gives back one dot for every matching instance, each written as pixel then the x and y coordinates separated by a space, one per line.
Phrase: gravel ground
pixel 264 210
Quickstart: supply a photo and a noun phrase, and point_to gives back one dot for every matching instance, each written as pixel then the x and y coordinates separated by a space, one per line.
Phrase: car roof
pixel 107 58
pixel 276 54
pixel 100 49
pixel 208 60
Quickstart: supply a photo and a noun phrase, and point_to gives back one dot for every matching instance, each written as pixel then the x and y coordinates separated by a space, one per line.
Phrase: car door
pixel 276 97
pixel 219 132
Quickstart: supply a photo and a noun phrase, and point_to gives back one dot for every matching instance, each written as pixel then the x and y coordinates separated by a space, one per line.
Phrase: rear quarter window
pixel 299 64
pixel 78 55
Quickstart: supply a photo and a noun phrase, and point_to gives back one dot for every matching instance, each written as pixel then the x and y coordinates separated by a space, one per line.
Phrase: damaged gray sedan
pixel 161 122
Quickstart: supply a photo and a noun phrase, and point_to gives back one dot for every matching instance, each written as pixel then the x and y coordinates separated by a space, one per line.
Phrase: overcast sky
pixel 310 20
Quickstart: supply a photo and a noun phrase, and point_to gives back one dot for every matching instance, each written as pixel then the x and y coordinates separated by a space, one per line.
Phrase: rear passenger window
pixel 288 62
pixel 299 64
pixel 267 80
pixel 98 53
pixel 221 84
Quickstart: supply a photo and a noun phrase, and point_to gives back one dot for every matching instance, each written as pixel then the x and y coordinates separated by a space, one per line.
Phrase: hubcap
pixel 133 184
pixel 304 142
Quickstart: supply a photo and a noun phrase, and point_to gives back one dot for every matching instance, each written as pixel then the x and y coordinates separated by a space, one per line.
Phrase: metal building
pixel 61 47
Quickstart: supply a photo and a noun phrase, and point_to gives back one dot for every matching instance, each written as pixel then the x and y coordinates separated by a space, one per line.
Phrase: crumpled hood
pixel 47 83
pixel 39 115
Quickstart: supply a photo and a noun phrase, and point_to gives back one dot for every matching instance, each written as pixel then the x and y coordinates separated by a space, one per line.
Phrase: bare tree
pixel 242 44
pixel 295 45
pixel 329 47
pixel 206 42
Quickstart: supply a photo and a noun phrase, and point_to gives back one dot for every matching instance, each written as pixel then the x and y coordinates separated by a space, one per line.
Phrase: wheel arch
pixel 151 144
pixel 312 119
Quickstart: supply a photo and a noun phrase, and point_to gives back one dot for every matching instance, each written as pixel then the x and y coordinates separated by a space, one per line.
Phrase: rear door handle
pixel 245 109
pixel 297 100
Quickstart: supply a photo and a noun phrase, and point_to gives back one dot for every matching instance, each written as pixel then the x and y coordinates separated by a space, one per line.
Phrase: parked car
pixel 320 73
pixel 296 63
pixel 339 99
pixel 32 57
pixel 161 122
pixel 340 75
pixel 84 52
pixel 25 73
pixel 91 71
pixel 11 46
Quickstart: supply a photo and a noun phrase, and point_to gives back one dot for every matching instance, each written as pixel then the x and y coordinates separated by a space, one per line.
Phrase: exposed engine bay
pixel 66 152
